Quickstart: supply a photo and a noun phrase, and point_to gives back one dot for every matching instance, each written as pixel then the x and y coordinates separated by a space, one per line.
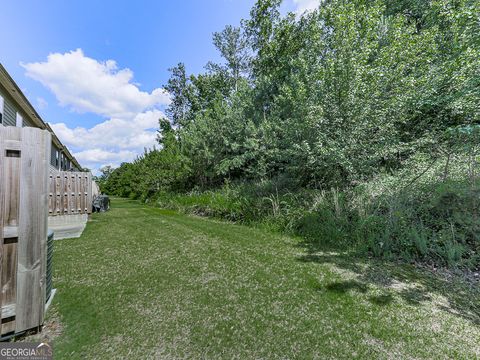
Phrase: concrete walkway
pixel 67 226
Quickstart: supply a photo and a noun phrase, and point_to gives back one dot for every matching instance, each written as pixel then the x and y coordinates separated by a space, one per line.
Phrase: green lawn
pixel 146 283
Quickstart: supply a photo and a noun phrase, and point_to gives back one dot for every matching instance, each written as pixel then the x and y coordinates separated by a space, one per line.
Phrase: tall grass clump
pixel 435 221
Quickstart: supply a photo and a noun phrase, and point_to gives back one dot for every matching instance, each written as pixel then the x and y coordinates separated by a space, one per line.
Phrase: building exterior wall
pixel 13 105
pixel 27 122
pixel 55 157
pixel 10 113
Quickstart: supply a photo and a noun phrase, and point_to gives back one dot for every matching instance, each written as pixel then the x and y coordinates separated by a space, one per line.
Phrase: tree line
pixel 373 97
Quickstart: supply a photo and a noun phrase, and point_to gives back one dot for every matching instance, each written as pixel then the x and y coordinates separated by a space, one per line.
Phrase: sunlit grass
pixel 147 283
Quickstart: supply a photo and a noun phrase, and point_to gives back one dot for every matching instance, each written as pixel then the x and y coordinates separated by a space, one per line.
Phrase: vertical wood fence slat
pixel 70 196
pixel 2 207
pixel 51 195
pixel 44 173
pixel 89 193
pixel 65 195
pixel 27 192
pixel 75 207
pixel 83 188
pixel 9 245
pixel 10 180
pixel 32 230
pixel 9 285
pixel 72 192
pixel 58 194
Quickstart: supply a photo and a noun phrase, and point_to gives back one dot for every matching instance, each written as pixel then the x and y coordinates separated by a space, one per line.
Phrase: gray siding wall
pixel 10 113
pixel 9 118
pixel 27 122
pixel 53 157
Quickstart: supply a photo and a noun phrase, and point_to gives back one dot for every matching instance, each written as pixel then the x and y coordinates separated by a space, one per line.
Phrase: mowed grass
pixel 143 283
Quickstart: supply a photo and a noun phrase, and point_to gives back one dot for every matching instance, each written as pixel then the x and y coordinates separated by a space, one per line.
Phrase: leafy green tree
pixel 178 86
pixel 233 46
pixel 333 98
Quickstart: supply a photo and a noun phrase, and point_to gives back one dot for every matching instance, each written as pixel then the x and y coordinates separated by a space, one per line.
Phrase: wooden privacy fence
pixel 24 168
pixel 70 193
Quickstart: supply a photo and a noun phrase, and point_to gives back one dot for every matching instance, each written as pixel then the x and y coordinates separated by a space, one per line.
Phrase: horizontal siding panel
pixel 10 116
pixel 27 122
pixel 54 156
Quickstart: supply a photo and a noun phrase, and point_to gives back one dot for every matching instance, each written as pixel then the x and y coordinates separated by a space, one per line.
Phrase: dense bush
pixel 437 224
pixel 375 99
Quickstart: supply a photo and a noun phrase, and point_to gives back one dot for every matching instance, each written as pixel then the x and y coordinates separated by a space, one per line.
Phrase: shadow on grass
pixel 346 286
pixel 399 281
pixel 383 299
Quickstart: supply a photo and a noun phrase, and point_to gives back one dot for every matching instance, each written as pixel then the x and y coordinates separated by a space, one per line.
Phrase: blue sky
pixel 95 69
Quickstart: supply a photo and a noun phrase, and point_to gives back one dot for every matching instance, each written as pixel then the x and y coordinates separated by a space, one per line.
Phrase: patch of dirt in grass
pixel 51 330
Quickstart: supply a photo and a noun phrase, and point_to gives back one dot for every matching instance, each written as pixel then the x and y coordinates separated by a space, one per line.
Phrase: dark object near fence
pixel 101 203
pixel 49 281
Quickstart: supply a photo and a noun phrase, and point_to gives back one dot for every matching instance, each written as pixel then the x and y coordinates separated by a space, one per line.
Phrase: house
pixel 71 189
pixel 16 110
pixel 42 188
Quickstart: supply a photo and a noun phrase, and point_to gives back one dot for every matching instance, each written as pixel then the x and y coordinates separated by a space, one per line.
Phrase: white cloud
pixel 122 137
pixel 302 6
pixel 87 85
pixel 138 132
pixel 96 158
pixel 130 116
